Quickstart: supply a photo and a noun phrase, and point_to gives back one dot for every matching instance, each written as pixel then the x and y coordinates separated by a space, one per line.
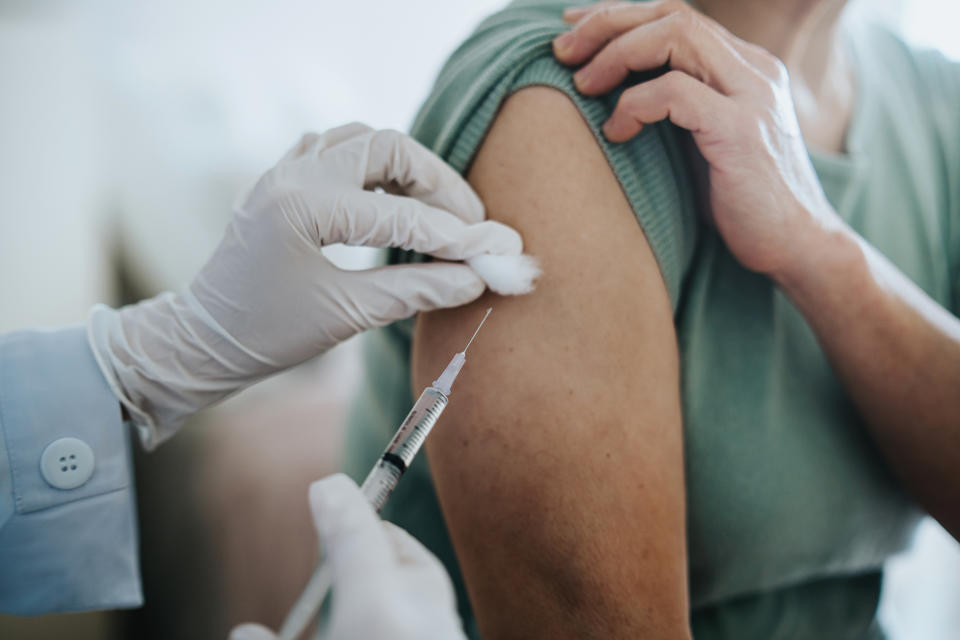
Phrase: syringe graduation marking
pixel 395 454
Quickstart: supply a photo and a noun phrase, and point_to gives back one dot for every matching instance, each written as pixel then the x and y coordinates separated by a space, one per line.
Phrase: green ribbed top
pixel 791 514
pixel 512 50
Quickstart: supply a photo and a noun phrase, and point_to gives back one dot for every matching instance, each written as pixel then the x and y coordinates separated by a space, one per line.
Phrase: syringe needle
pixel 445 382
pixel 478 330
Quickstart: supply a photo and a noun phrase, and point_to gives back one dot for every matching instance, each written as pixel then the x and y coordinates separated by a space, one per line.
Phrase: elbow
pixel 616 607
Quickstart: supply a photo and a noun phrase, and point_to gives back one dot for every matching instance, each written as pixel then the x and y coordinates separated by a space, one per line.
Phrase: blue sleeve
pixel 63 547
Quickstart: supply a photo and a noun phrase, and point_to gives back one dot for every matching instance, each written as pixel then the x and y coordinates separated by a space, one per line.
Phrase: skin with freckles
pixel 565 505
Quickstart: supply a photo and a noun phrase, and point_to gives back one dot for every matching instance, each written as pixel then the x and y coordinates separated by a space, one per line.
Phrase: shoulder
pixel 480 72
pixel 505 71
pixel 919 92
pixel 539 131
pixel 925 71
pixel 541 170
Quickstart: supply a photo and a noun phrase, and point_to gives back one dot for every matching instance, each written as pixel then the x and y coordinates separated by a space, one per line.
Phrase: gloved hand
pixel 268 298
pixel 385 583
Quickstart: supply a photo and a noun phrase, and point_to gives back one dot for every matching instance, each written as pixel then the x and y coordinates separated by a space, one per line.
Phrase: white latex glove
pixel 385 583
pixel 268 298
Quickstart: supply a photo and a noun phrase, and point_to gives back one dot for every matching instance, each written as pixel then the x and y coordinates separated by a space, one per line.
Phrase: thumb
pixel 387 294
pixel 350 531
pixel 250 631
pixel 395 159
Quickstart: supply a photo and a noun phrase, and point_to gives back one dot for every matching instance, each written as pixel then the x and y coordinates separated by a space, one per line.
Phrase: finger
pixel 335 136
pixel 366 218
pixel 353 539
pixel 397 160
pixel 600 23
pixel 686 101
pixel 305 143
pixel 574 14
pixel 377 297
pixel 597 24
pixel 329 138
pixel 681 40
pixel 251 632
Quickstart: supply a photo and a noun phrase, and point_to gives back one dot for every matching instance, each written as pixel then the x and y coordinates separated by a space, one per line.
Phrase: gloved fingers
pixel 386 294
pixel 333 137
pixel 251 631
pixel 366 218
pixel 311 140
pixel 355 544
pixel 306 142
pixel 397 162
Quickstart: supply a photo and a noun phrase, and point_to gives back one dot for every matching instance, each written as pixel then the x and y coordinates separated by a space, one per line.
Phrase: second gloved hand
pixel 385 583
pixel 268 299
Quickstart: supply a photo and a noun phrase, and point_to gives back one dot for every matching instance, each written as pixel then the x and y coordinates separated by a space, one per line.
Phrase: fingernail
pixel 582 79
pixel 563 42
pixel 609 128
pixel 573 13
pixel 611 131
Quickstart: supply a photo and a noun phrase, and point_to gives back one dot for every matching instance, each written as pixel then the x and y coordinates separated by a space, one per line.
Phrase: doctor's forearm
pixel 898 354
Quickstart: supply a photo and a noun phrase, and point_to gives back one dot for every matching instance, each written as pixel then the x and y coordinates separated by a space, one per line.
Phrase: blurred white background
pixel 127 128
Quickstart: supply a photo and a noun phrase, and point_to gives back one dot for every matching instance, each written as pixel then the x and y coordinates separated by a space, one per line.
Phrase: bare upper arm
pixel 558 463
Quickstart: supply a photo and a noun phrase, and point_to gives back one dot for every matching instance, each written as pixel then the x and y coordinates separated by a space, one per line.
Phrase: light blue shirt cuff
pixel 63 549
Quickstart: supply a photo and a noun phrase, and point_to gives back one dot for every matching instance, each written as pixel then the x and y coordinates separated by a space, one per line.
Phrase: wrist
pixel 824 251
pixel 165 360
pixel 107 339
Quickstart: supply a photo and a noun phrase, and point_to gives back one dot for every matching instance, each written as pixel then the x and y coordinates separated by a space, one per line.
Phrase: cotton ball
pixel 507 275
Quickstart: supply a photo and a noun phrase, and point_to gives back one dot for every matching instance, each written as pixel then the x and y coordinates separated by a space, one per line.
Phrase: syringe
pixel 383 479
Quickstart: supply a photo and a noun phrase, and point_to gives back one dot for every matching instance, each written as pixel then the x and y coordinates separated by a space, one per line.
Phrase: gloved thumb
pixel 387 294
pixel 350 531
pixel 250 631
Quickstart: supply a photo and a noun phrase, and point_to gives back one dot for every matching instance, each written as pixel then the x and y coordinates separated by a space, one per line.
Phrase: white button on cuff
pixel 67 463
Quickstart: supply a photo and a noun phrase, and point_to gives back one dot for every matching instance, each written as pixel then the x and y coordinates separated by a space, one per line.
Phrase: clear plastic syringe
pixel 383 479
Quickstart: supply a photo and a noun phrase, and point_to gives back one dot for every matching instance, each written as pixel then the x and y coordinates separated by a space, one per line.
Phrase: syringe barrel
pixel 380 483
pixel 378 486
pixel 385 475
